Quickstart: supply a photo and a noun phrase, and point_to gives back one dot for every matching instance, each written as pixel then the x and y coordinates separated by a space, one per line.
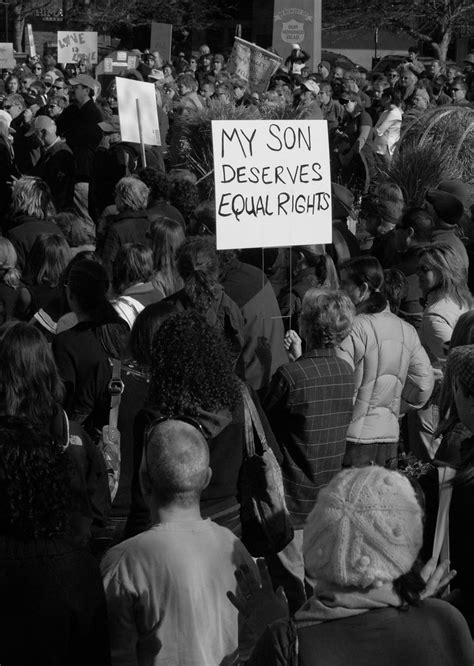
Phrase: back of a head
pixel 368 271
pixel 192 368
pixel 48 259
pixel 176 462
pixel 365 530
pixel 31 196
pixel 326 318
pixel 157 182
pixel 132 265
pixel 131 194
pixel 198 266
pixel 420 221
pixel 30 385
pixel 73 228
pixel 34 481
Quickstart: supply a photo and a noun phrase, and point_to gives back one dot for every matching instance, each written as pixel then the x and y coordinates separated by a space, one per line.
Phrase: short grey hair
pixel 131 194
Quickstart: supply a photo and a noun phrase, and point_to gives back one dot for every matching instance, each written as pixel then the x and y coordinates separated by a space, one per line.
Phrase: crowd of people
pixel 131 349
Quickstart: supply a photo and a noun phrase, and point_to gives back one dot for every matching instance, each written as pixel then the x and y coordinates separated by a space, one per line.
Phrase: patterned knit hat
pixel 461 365
pixel 366 527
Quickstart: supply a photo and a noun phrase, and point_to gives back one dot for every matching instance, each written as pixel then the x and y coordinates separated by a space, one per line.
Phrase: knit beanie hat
pixel 366 527
pixel 461 365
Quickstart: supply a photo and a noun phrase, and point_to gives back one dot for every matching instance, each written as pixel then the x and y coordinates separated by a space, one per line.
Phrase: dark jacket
pixel 7 170
pixel 25 232
pixel 127 227
pixel 56 167
pixel 83 135
pixel 432 633
pixel 52 608
pixel 461 512
pixel 263 351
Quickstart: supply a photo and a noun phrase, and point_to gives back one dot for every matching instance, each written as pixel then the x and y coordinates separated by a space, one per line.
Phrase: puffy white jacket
pixel 392 373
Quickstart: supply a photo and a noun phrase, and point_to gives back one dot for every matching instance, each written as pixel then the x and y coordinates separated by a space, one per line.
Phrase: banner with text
pixel 76 46
pixel 299 23
pixel 253 64
pixel 273 183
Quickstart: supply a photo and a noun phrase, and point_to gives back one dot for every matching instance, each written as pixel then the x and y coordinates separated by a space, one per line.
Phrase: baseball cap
pixel 84 80
pixel 110 125
pixel 469 58
pixel 310 85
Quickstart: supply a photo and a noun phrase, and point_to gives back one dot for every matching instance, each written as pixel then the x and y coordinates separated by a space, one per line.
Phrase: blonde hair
pixel 10 275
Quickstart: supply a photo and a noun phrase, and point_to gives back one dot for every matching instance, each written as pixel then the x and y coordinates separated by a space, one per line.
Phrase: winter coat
pixel 439 319
pixel 392 373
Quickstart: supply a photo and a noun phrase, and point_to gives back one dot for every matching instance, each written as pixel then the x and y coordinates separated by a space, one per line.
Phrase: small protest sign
pixel 160 40
pixel 76 46
pixel 7 58
pixel 138 112
pixel 253 64
pixel 272 182
pixel 31 39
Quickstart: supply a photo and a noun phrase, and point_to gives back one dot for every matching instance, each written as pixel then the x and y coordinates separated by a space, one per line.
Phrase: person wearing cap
pixel 324 70
pixel 371 601
pixel 56 164
pixel 447 211
pixel 308 107
pixel 80 128
pixel 218 61
pixel 113 160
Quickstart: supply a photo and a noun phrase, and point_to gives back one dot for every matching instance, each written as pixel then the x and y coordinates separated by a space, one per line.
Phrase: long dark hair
pixel 367 270
pixel 34 481
pixel 30 385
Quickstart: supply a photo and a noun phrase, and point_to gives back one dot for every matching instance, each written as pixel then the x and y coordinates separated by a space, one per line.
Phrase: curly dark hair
pixel 34 481
pixel 191 368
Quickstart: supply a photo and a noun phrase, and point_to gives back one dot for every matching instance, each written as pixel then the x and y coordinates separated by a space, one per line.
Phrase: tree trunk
pixel 443 45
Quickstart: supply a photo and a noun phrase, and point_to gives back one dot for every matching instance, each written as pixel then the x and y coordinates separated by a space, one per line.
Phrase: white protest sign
pixel 273 183
pixel 7 58
pixel 31 39
pixel 76 46
pixel 137 111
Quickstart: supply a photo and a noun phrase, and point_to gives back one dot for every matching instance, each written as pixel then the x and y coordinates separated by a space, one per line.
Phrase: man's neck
pixel 174 513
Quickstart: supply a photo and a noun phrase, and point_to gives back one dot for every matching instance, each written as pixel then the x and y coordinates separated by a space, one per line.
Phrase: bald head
pixel 45 129
pixel 175 465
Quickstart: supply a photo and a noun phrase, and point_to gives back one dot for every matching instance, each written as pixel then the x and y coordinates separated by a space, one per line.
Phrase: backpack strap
pixel 115 387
